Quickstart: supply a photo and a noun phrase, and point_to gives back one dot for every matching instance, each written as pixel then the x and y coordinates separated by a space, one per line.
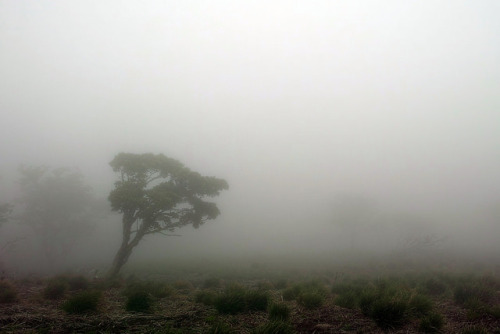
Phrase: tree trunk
pixel 127 246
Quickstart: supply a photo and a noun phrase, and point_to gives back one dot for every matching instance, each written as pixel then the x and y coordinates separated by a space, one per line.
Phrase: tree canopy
pixel 158 194
pixel 57 205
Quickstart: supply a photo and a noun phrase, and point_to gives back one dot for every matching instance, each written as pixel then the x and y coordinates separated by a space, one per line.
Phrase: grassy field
pixel 260 296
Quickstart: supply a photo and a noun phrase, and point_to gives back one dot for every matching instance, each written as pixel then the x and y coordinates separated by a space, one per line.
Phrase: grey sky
pixel 291 101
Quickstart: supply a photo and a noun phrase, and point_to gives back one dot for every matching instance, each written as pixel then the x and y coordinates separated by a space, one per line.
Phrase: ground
pixel 179 312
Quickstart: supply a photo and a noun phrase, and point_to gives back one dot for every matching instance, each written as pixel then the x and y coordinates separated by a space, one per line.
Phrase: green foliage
pixel 311 300
pixel 157 194
pixel 432 323
pixel 347 299
pixel 231 301
pixel 420 305
pixel 139 301
pixel 83 302
pixel 468 291
pixel 256 300
pixel 206 297
pixel 8 293
pixel 275 327
pixel 236 299
pixel 309 288
pixel 279 311
pixel 56 288
pixel 388 312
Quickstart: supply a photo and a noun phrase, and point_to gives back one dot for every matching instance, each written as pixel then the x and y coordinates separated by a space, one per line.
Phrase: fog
pixel 341 126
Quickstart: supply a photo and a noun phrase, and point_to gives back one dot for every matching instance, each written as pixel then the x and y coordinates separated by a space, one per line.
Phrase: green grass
pixel 206 297
pixel 83 302
pixel 432 323
pixel 275 327
pixel 279 311
pixel 236 299
pixel 139 301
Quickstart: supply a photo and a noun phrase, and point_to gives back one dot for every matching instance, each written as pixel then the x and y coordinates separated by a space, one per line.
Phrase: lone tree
pixel 157 194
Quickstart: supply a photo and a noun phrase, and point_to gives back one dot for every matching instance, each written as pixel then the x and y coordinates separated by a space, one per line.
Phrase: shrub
pixel 55 289
pixel 420 305
pixel 206 297
pixel 366 300
pixel 256 300
pixel 472 291
pixel 347 299
pixel 8 294
pixel 232 301
pixel 275 327
pixel 291 293
pixel 432 323
pixel 388 311
pixel 82 302
pixel 139 301
pixel 279 312
pixel 311 300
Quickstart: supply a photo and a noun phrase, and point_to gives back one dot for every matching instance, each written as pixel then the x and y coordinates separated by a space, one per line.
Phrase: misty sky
pixel 293 102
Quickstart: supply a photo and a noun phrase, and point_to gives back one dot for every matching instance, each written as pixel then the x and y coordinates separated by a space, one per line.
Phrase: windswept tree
pixel 57 205
pixel 157 194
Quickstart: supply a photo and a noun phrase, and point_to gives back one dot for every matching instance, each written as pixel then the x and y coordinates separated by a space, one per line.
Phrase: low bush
pixel 310 300
pixel 206 297
pixel 468 291
pixel 83 302
pixel 139 301
pixel 8 293
pixel 434 287
pixel 388 312
pixel 256 300
pixel 155 289
pixel 432 323
pixel 231 301
pixel 420 305
pixel 279 311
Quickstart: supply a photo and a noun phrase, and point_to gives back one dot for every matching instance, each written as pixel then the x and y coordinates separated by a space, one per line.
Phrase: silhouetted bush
pixel 256 300
pixel 82 302
pixel 77 283
pixel 279 312
pixel 310 300
pixel 206 297
pixel 388 311
pixel 139 301
pixel 432 323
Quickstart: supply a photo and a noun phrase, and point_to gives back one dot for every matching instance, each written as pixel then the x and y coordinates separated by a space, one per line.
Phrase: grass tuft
pixel 279 311
pixel 83 302
pixel 8 293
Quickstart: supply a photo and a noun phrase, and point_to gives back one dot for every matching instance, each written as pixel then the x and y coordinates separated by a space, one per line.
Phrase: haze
pixel 298 105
